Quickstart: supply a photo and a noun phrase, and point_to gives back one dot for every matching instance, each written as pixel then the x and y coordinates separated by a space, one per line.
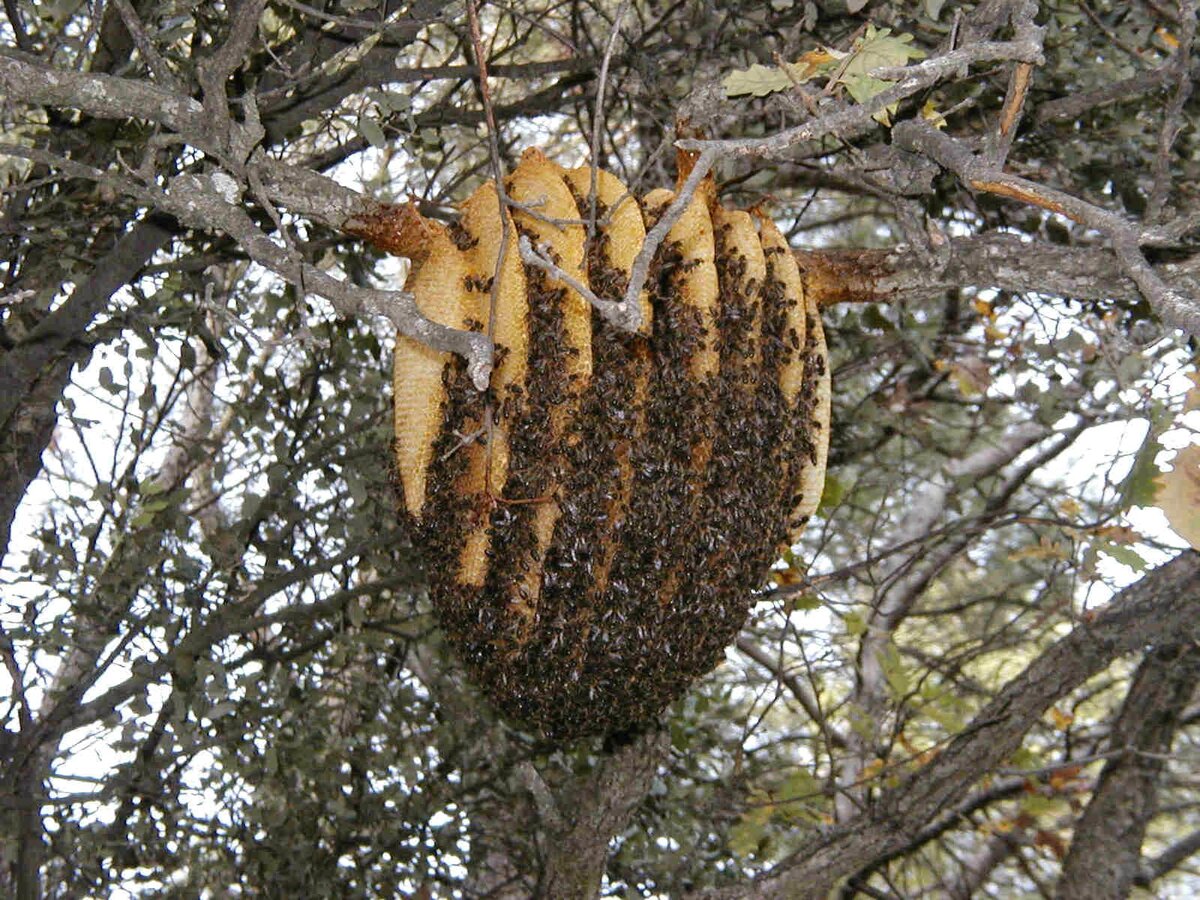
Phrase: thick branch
pixel 33 373
pixel 1171 306
pixel 1105 851
pixel 1004 262
pixel 103 96
pixel 1169 859
pixel 599 810
pixel 1163 607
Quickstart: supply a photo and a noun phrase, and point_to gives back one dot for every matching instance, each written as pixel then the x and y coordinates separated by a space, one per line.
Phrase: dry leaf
pixel 1179 494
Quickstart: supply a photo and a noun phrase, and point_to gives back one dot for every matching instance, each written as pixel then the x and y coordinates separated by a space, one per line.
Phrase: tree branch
pixel 1004 262
pixel 97 94
pixel 803 694
pixel 600 809
pixel 1105 851
pixel 1168 860
pixel 1172 307
pixel 1163 607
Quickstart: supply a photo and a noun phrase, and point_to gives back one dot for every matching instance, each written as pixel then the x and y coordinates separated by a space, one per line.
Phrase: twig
pixel 8 651
pixel 17 297
pixel 157 65
pixel 232 53
pixel 215 71
pixel 598 115
pixel 485 98
pixel 618 312
pixel 204 206
pixel 1010 115
pixel 804 695
pixel 797 85
pixel 845 116
pixel 1075 105
pixel 655 236
pixel 1180 66
pixel 18 25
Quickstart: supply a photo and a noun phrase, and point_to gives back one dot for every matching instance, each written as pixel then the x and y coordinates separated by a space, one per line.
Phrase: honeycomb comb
pixel 595 522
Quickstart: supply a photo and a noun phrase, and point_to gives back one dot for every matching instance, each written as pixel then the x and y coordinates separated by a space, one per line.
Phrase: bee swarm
pixel 593 524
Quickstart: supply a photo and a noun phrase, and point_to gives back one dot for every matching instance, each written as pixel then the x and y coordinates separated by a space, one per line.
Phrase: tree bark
pixel 1001 261
pixel 1163 607
pixel 1105 853
pixel 598 810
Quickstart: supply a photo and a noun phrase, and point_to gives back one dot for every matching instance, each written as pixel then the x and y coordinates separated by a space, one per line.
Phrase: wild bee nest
pixel 593 523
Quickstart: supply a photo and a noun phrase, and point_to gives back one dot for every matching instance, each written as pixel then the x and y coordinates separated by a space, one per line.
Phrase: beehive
pixel 595 522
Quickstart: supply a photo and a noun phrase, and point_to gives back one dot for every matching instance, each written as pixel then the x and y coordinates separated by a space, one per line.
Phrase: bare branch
pixel 242 30
pixel 598 112
pixel 1171 306
pixel 215 201
pixel 103 96
pixel 656 235
pixel 618 312
pixel 901 581
pixel 17 23
pixel 1176 854
pixel 803 694
pixel 1180 65
pixel 845 116
pixel 204 205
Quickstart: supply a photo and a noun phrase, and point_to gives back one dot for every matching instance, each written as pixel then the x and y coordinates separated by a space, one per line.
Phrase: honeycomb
pixel 594 523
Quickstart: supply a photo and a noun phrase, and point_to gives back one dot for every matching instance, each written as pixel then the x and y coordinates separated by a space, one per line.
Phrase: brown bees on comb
pixel 595 522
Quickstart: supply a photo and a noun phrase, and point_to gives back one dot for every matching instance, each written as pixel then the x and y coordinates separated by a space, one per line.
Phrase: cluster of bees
pixel 595 522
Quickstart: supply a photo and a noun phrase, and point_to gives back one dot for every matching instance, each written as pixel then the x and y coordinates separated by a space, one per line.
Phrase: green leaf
pixel 879 48
pixel 142 519
pixel 1037 805
pixel 757 81
pixel 856 624
pixel 749 834
pixel 1127 556
pixel 800 785
pixel 762 80
pixel 1139 488
pixel 151 486
pixel 139 705
pixel 864 88
pixel 745 837
pixel 371 131
pixel 832 493
pixel 806 602
pixel 894 672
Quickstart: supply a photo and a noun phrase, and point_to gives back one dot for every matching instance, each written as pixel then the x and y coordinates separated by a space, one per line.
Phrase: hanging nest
pixel 594 523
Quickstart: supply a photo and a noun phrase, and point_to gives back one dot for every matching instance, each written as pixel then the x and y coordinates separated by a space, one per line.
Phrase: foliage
pixel 222 675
